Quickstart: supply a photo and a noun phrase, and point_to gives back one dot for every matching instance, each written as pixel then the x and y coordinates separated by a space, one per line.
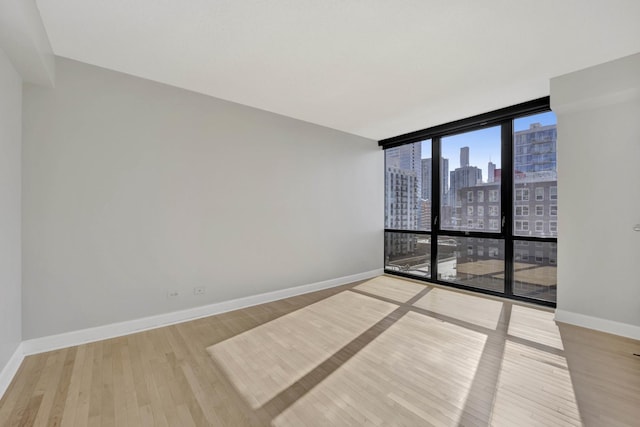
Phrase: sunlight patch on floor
pixel 391 288
pixel 535 325
pixel 476 310
pixel 265 360
pixel 534 388
pixel 400 376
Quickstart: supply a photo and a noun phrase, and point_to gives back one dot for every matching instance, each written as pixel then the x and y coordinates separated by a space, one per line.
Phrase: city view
pixel 470 201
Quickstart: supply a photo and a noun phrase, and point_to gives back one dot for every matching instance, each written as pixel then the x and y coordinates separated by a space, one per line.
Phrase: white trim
pixel 10 369
pixel 598 324
pixel 83 336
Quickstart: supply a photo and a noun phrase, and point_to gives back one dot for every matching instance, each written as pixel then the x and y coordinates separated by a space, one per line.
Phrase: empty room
pixel 319 213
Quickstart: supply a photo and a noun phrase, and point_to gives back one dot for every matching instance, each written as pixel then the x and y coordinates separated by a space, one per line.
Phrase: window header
pixel 470 123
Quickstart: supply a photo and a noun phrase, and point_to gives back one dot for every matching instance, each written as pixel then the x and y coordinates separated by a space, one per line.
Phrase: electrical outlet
pixel 172 294
pixel 198 290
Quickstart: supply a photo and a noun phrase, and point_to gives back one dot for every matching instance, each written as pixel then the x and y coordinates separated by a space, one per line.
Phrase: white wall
pixel 598 113
pixel 24 40
pixel 133 189
pixel 10 246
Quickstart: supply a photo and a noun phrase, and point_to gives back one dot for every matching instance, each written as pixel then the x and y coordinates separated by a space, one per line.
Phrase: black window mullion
pixel 507 204
pixel 435 204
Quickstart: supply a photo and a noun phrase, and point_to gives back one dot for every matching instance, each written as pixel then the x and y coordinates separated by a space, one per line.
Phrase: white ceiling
pixel 376 68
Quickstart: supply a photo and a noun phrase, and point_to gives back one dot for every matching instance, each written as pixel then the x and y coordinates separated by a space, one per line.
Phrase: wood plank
pixel 449 359
pixel 391 288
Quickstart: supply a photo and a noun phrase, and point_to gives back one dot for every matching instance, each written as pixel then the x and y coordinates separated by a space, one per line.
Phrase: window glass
pixel 535 270
pixel 408 187
pixel 473 160
pixel 460 260
pixel 535 173
pixel 408 253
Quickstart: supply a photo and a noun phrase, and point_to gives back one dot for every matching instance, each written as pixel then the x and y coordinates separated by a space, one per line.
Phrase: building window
pixel 480 210
pixel 553 210
pixel 553 227
pixel 539 226
pixel 522 210
pixel 493 224
pixel 539 257
pixel 480 196
pixel 493 210
pixel 469 196
pixel 480 224
pixel 522 194
pixel 522 225
pixel 493 195
pixel 539 193
pixel 469 210
pixel 539 210
pixel 553 193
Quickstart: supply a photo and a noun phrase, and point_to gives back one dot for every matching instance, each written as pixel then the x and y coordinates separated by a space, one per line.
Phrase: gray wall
pixel 10 246
pixel 132 189
pixel 598 112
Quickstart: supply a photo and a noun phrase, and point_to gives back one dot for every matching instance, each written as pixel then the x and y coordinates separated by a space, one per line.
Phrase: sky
pixel 484 144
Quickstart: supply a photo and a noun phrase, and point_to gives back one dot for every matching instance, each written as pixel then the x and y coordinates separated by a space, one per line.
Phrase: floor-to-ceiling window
pixel 473 203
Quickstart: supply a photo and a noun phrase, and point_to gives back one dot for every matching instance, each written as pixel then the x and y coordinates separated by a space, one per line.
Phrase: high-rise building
pixel 401 204
pixel 535 181
pixel 468 176
pixel 535 149
pixel 491 172
pixel 464 157
pixel 464 176
pixel 425 215
pixel 402 179
pixel 402 199
pixel 427 181
pixel 405 157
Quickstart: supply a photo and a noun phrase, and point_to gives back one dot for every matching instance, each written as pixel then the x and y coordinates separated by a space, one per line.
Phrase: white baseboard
pixel 602 325
pixel 10 369
pixel 83 336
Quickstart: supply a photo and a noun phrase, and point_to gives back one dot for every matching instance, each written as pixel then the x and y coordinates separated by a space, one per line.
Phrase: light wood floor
pixel 381 352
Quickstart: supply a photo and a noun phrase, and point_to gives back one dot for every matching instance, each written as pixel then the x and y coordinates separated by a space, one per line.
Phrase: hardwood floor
pixel 381 352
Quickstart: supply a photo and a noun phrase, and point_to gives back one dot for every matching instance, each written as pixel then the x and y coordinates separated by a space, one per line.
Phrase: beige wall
pixel 133 189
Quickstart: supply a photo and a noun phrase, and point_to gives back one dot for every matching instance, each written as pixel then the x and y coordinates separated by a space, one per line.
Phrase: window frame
pixel 506 195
